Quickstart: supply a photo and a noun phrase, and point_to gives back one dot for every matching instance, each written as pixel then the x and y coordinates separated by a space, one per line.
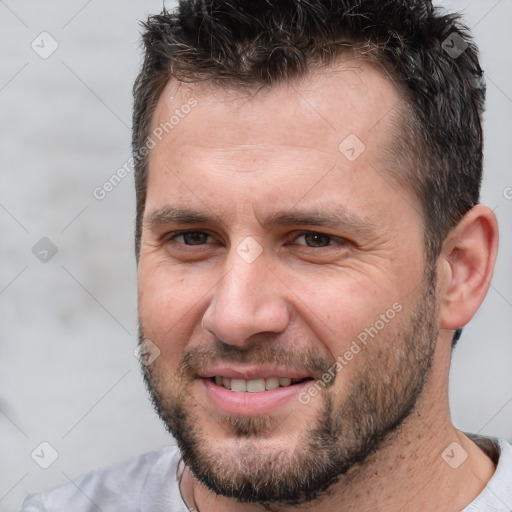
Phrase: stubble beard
pixel 381 394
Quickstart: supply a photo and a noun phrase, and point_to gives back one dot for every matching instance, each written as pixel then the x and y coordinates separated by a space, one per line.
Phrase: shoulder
pixel 497 495
pixel 121 487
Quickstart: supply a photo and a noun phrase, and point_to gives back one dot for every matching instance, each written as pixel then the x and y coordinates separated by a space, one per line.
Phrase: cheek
pixel 350 308
pixel 169 307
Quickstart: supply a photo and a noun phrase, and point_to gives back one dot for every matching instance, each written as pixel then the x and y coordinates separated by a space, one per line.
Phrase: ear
pixel 466 265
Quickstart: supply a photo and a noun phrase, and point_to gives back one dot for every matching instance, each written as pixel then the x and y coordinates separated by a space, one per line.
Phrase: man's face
pixel 275 246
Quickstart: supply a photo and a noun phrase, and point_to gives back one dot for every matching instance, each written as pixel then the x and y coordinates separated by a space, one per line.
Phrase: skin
pixel 243 158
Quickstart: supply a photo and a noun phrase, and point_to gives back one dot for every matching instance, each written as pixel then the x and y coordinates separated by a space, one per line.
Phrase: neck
pixel 416 468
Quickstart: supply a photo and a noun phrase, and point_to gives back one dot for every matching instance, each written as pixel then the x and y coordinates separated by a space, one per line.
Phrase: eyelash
pixel 182 233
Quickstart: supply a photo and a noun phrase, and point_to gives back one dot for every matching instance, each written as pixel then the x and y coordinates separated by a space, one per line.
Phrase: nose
pixel 249 299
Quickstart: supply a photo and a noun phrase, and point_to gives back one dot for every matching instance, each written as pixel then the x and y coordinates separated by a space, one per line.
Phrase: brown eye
pixel 316 239
pixel 192 238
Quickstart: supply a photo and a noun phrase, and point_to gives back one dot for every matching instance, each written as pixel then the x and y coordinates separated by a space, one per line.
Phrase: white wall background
pixel 68 326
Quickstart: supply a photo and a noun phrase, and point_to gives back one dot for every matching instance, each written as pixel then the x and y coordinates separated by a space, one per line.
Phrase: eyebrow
pixel 174 215
pixel 329 218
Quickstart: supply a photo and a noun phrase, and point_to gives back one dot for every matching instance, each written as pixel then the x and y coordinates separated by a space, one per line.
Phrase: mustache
pixel 199 359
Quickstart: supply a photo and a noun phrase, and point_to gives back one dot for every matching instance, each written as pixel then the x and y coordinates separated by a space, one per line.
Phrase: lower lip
pixel 251 404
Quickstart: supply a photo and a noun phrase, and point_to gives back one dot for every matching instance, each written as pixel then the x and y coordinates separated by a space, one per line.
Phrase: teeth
pixel 238 385
pixel 272 383
pixel 254 385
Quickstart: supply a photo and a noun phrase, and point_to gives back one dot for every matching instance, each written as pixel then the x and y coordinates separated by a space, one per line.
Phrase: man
pixel 309 242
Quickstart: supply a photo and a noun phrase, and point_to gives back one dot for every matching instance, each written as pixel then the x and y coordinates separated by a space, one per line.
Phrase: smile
pixel 251 396
pixel 254 385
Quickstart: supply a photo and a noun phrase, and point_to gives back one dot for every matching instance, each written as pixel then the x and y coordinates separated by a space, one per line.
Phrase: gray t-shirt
pixel 147 483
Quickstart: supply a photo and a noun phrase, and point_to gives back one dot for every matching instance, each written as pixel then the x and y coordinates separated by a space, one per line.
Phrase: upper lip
pixel 252 373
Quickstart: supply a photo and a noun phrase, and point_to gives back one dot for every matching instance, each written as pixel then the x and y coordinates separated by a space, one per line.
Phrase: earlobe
pixel 468 258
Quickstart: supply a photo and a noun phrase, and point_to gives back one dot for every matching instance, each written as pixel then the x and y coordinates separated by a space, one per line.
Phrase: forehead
pixel 276 142
pixel 351 97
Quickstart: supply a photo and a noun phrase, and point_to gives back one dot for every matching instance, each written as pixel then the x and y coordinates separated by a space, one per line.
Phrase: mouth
pixel 256 394
pixel 256 385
